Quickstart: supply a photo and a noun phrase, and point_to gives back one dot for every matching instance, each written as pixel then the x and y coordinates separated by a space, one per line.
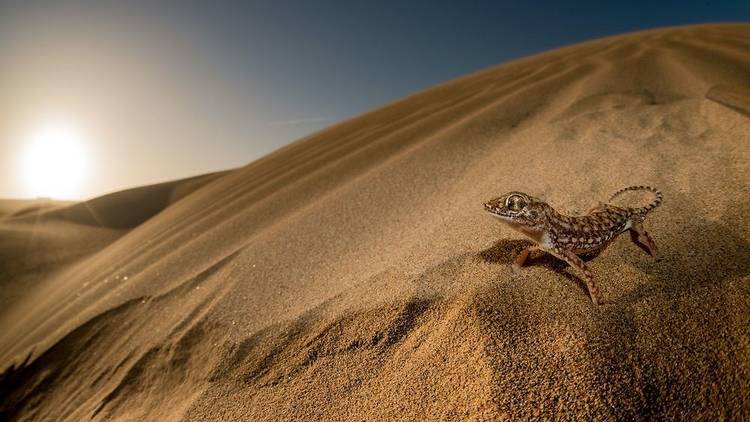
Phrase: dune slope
pixel 354 274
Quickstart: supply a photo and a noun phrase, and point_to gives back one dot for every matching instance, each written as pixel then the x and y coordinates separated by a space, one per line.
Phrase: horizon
pixel 115 96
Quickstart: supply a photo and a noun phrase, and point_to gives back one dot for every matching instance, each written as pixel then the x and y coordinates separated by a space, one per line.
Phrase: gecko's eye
pixel 515 202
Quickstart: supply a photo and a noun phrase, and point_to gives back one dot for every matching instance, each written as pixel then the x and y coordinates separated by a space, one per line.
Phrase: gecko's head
pixel 517 208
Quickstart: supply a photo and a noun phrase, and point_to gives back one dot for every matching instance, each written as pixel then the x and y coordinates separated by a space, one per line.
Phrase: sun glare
pixel 54 162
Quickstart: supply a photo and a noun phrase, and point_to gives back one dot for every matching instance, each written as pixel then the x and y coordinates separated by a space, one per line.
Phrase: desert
pixel 354 275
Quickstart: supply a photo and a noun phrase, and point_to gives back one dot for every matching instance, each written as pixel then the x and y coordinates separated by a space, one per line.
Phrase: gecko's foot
pixel 516 270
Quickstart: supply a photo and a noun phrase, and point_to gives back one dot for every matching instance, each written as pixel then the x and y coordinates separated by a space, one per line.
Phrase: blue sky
pixel 164 90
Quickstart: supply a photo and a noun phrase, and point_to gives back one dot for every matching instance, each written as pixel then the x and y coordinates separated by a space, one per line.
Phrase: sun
pixel 53 163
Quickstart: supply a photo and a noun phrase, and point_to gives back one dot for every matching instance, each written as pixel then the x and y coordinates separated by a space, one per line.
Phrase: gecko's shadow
pixel 505 251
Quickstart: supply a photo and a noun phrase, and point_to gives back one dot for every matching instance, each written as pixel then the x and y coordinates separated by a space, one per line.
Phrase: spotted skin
pixel 568 237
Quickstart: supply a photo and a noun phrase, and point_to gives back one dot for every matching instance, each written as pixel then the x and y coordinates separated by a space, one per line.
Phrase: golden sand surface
pixel 354 275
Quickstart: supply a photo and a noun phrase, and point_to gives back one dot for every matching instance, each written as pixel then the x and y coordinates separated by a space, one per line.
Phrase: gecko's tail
pixel 642 210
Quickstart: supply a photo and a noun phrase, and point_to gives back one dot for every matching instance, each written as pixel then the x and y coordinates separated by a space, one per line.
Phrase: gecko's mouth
pixel 497 213
pixel 500 216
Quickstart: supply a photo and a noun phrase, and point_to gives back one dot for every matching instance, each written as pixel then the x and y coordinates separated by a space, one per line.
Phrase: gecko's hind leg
pixel 521 258
pixel 640 237
pixel 581 266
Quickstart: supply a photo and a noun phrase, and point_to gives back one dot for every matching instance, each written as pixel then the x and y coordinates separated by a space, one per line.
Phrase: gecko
pixel 568 237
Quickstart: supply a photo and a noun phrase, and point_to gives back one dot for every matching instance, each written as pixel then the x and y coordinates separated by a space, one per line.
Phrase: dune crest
pixel 354 274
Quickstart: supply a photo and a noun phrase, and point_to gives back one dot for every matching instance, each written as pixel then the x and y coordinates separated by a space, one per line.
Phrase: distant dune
pixel 354 275
pixel 18 207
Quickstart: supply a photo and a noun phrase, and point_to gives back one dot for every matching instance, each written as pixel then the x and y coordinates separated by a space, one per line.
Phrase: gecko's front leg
pixel 581 266
pixel 521 258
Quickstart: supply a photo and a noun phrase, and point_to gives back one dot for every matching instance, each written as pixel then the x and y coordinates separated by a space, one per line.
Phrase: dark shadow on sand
pixel 505 251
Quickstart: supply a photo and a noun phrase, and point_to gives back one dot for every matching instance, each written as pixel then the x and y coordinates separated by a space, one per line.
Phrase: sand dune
pixel 354 274
pixel 10 208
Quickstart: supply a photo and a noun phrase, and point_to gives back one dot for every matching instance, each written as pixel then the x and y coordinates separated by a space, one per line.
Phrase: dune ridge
pixel 354 275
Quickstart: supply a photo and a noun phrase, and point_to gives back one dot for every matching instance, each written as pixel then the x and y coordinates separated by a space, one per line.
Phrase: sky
pixel 149 91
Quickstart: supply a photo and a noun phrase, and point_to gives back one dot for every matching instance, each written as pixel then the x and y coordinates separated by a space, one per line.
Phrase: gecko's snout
pixel 493 207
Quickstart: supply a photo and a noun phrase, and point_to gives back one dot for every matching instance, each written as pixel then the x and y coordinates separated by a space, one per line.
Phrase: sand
pixel 354 275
